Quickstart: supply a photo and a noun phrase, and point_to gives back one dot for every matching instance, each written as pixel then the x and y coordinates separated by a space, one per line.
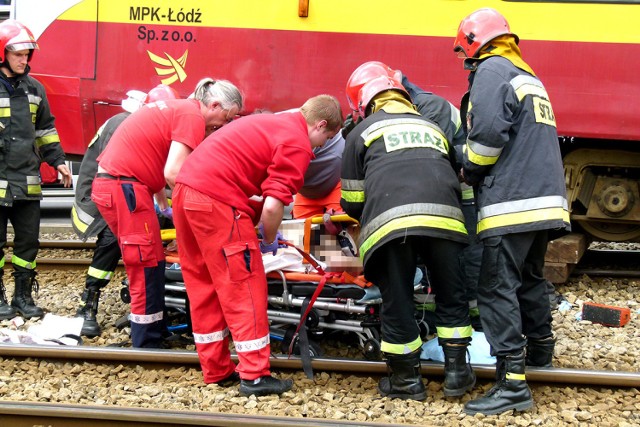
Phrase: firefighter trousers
pixel 104 261
pixel 226 285
pixel 392 268
pixel 127 207
pixel 25 219
pixel 512 291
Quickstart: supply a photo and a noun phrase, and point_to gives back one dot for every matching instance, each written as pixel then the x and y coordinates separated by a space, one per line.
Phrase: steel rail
pixel 183 357
pixel 63 244
pixel 43 414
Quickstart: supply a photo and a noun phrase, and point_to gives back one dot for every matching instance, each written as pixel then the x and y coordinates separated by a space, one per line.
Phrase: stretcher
pixel 326 288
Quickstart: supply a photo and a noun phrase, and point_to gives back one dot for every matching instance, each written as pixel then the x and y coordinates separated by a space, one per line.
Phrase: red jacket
pixel 259 155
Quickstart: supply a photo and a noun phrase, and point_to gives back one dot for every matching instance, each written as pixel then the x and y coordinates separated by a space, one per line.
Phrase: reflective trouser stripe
pixel 457 332
pixel 99 274
pixel 407 348
pixel 212 337
pixel 29 265
pixel 145 319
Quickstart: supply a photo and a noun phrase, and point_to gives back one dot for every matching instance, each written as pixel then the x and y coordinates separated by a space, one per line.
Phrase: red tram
pixel 280 52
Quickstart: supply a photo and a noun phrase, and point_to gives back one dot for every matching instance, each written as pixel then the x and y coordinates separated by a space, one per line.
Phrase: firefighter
pixel 513 158
pixel 240 176
pixel 27 137
pixel 447 117
pixel 145 154
pixel 399 181
pixel 85 217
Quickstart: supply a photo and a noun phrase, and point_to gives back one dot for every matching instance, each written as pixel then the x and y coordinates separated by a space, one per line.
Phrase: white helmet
pixel 135 99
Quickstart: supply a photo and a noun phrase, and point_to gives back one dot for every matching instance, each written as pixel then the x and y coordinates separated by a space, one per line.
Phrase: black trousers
pixel 105 260
pixel 512 291
pixel 392 268
pixel 25 219
pixel 472 254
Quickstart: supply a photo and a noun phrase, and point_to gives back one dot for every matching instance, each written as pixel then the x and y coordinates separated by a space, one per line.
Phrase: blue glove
pixel 272 247
pixel 167 213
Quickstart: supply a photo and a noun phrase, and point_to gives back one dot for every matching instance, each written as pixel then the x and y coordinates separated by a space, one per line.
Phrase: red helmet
pixel 160 93
pixel 363 74
pixel 375 86
pixel 14 36
pixel 478 29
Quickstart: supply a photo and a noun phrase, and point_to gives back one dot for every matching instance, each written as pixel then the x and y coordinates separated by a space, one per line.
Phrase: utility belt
pixel 118 178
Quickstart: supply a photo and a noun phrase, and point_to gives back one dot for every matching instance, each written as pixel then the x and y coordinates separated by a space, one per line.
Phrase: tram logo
pixel 169 68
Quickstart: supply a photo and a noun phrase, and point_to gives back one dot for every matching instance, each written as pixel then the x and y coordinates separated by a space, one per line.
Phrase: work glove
pixel 167 213
pixel 349 124
pixel 272 247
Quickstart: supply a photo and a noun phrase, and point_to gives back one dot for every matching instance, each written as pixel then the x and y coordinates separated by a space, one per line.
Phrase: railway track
pixel 50 414
pixel 39 413
pixel 283 362
pixel 595 262
pixel 583 380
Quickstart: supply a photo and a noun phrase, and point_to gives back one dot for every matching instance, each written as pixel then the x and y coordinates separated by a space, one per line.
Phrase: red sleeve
pixel 285 175
pixel 189 130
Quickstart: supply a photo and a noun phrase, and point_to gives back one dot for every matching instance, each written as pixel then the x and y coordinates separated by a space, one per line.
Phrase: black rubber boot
pixel 22 301
pixel 265 385
pixel 404 380
pixel 6 311
pixel 510 392
pixel 458 374
pixel 89 311
pixel 540 352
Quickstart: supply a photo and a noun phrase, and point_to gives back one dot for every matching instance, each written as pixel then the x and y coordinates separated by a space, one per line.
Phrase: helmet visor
pixel 21 46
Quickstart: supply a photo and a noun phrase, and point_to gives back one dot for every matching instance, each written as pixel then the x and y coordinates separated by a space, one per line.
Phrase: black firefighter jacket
pixel 512 152
pixel 27 137
pixel 398 180
pixel 85 217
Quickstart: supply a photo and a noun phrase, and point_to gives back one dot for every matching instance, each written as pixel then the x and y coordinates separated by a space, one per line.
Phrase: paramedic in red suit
pixel 238 177
pixel 143 156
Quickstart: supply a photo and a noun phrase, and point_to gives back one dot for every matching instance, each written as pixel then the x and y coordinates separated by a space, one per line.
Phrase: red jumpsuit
pixel 135 159
pixel 260 155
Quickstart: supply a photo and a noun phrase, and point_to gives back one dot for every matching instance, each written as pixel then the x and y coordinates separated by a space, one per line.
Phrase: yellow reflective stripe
pixel 30 265
pixel 77 222
pixel 48 139
pixel 5 112
pixel 457 332
pixel 2 262
pixel 528 85
pixel 34 189
pixel 517 377
pixel 99 274
pixel 387 347
pixel 353 196
pixel 3 192
pixel 517 218
pixel 479 159
pixel 409 222
pixel 467 193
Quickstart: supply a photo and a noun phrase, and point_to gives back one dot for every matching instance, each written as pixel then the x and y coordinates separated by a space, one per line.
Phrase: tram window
pixel 5 9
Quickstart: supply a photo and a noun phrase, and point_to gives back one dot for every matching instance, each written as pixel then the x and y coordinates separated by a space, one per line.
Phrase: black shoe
pixel 230 380
pixel 265 385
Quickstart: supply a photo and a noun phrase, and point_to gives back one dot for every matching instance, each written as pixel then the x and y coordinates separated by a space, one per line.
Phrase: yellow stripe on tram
pixel 567 21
